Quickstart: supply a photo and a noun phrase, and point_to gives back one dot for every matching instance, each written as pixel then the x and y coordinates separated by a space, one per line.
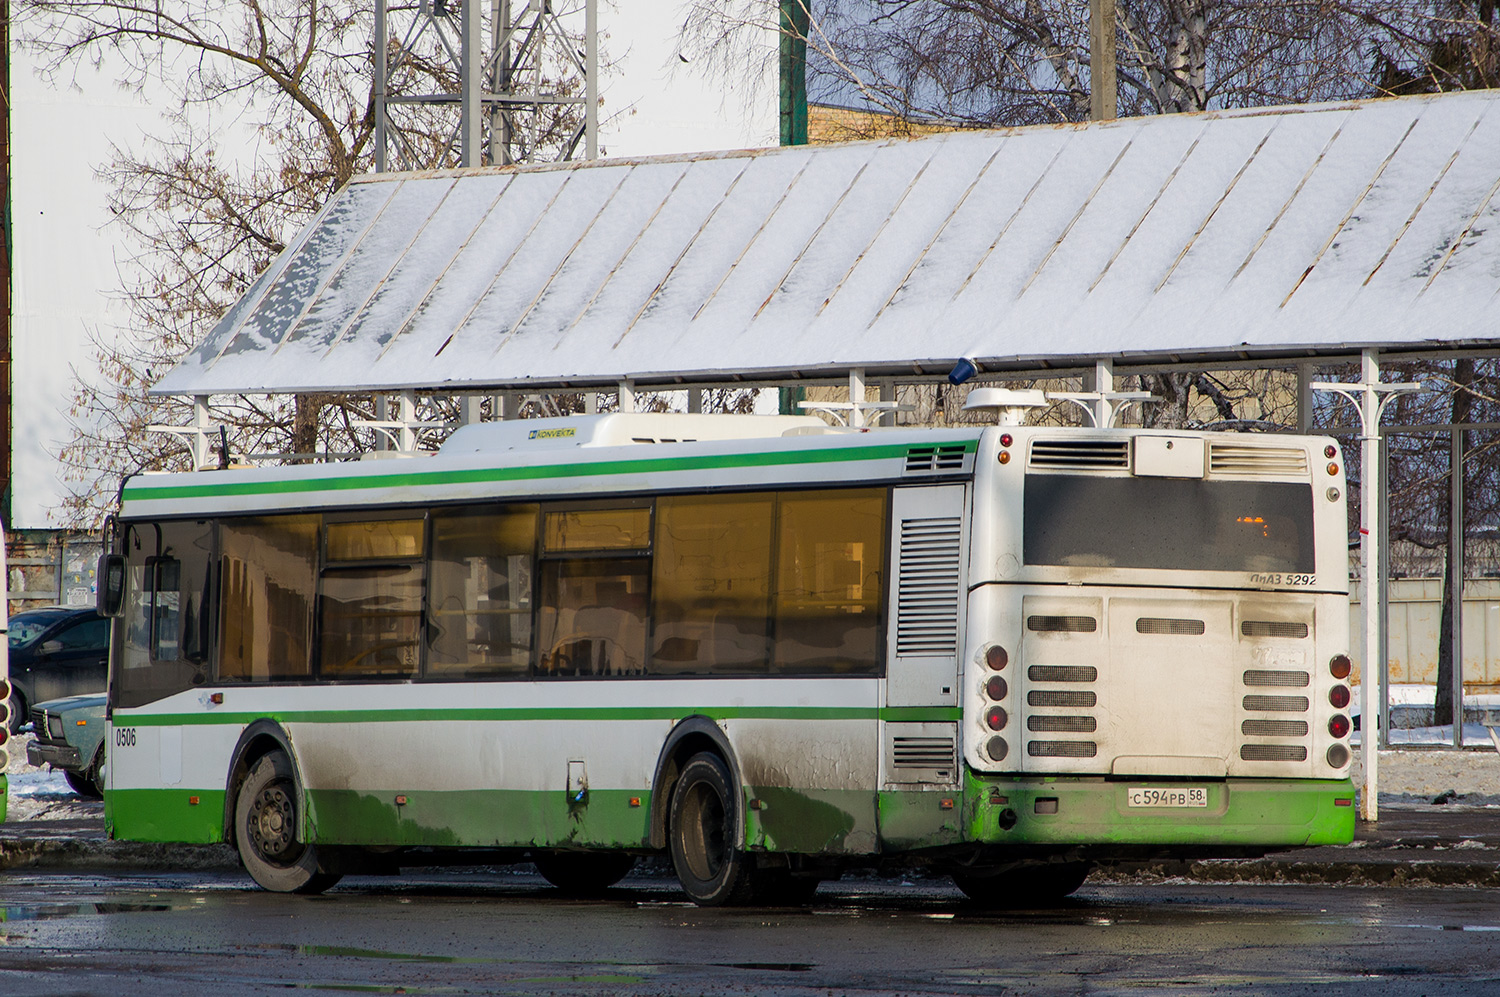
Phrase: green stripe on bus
pixel 902 714
pixel 487 475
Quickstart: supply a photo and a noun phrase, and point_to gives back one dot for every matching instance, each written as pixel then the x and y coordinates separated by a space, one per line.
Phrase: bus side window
pixel 479 592
pixel 830 561
pixel 711 584
pixel 594 591
pixel 268 585
pixel 370 610
pixel 165 636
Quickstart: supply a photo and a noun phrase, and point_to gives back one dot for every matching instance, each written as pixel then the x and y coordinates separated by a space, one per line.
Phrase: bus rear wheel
pixel 1038 884
pixel 583 874
pixel 704 821
pixel 265 822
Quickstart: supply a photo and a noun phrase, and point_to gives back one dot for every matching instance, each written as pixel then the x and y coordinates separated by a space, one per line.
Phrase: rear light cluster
pixel 996 689
pixel 1339 697
pixel 1005 441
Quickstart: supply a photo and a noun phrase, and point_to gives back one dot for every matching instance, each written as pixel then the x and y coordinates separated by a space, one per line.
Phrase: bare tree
pixel 296 78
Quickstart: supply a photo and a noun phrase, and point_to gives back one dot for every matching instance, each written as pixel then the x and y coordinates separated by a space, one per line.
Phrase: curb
pixel 1417 873
pixel 79 854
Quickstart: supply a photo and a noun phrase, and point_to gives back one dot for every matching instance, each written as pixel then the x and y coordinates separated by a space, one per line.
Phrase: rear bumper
pixel 59 756
pixel 1241 815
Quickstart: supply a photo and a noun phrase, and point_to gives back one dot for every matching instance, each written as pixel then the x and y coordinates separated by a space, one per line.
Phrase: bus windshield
pixel 1168 523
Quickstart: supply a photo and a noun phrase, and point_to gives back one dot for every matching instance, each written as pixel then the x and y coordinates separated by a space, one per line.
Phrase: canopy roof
pixel 1281 233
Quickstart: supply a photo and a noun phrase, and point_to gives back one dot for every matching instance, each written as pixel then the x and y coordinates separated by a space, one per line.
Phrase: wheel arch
pixel 256 741
pixel 691 736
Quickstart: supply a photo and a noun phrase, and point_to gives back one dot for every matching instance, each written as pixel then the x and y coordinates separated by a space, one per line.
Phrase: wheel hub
pixel 271 822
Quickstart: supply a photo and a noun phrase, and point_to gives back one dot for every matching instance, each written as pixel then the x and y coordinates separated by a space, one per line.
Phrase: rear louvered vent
pixel 1062 624
pixel 1276 704
pixel 929 588
pixel 1274 728
pixel 1071 725
pixel 1293 734
pixel 943 459
pixel 1181 628
pixel 923 753
pixel 1081 455
pixel 1062 673
pixel 1272 628
pixel 1233 458
pixel 1060 697
pixel 1062 749
pixel 1289 680
pixel 1273 753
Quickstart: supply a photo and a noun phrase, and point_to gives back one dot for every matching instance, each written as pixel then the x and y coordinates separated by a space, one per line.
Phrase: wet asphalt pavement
pixel 487 932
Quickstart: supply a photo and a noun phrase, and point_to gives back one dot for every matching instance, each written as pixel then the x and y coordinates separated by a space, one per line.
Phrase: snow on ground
pixel 41 793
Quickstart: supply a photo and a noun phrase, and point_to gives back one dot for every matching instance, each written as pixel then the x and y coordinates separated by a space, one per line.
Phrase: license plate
pixel 1157 797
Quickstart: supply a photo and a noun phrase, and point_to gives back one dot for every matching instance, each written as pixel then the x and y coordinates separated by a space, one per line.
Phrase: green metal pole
pixel 795 23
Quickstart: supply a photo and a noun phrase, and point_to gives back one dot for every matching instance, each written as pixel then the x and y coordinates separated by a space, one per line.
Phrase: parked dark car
pixel 55 652
pixel 69 736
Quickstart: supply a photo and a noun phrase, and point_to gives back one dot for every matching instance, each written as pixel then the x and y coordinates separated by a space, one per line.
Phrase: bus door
pixel 929 547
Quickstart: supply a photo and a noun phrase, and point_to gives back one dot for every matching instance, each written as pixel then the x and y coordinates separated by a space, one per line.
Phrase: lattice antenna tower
pixel 485 82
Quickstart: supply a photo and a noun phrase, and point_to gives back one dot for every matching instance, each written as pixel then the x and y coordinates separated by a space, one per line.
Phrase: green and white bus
pixel 767 647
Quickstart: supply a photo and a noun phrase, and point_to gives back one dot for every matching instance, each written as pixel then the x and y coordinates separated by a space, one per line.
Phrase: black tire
pixel 82 784
pixel 705 818
pixel 1041 884
pixel 583 874
pixel 17 707
pixel 266 819
pixel 97 771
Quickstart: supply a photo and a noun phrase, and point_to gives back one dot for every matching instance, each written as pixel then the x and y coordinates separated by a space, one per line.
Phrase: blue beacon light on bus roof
pixel 962 371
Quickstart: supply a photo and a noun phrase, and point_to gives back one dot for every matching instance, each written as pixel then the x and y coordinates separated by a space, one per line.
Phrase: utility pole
pixel 1102 60
pixel 7 423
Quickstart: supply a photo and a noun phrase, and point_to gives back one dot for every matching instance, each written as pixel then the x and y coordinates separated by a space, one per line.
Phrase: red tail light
pixel 1339 726
pixel 995 688
pixel 996 718
pixel 1339 696
pixel 1339 666
pixel 996 657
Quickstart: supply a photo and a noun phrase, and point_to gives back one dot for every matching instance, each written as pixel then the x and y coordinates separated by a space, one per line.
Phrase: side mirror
pixel 111 596
pixel 51 647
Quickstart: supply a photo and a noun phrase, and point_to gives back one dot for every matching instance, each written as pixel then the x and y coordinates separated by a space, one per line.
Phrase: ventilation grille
pixel 1276 704
pixel 1273 752
pixel 1156 625
pixel 1232 458
pixel 1289 680
pixel 929 588
pixel 923 753
pixel 1274 728
pixel 943 459
pixel 1062 749
pixel 1272 628
pixel 1081 455
pixel 1068 725
pixel 1062 624
pixel 1060 697
pixel 1062 673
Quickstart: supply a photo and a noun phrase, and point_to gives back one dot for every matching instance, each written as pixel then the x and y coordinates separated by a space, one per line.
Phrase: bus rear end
pixel 1158 643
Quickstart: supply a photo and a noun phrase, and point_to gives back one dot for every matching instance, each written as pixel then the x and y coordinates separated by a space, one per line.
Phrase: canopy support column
pixel 1366 396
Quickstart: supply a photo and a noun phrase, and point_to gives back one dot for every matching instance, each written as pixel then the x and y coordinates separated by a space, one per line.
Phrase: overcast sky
pixel 66 253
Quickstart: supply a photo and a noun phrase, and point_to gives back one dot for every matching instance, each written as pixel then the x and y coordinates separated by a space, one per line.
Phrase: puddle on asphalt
pixel 345 952
pixel 780 967
pixel 43 912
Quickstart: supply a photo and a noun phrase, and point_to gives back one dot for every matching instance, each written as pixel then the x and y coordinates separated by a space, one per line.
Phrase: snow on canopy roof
pixel 1278 233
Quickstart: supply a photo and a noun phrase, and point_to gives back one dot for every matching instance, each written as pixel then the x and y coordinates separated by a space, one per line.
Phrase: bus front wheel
pixel 704 821
pixel 265 821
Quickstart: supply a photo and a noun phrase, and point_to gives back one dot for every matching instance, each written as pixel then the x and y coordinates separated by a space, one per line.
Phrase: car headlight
pixel 55 727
